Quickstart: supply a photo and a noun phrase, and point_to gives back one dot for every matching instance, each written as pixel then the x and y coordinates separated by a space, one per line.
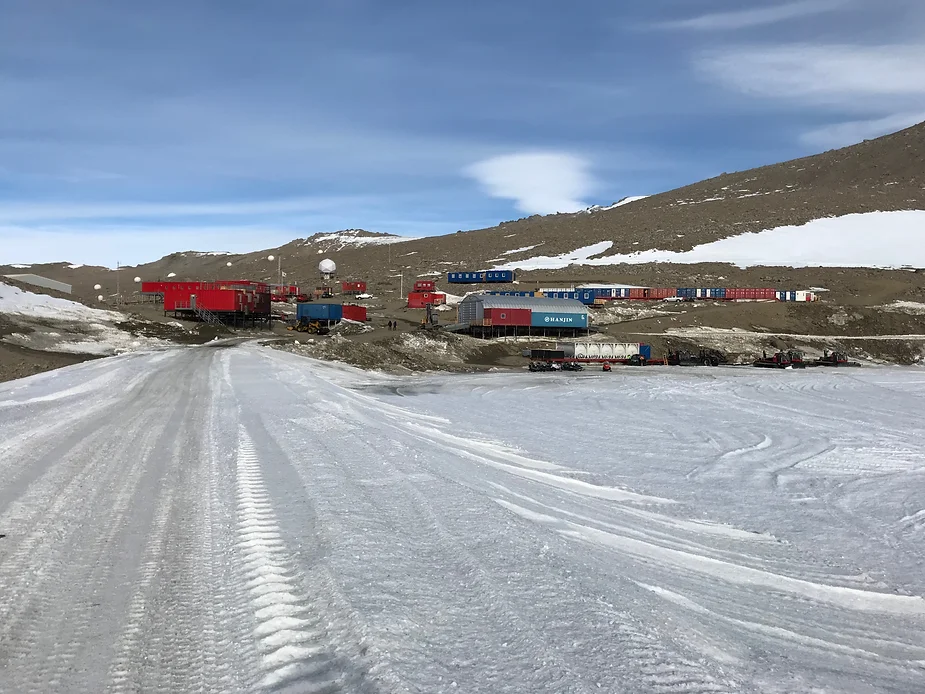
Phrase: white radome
pixel 271 257
pixel 228 264
pixel 97 287
pixel 137 279
pixel 327 266
pixel 99 298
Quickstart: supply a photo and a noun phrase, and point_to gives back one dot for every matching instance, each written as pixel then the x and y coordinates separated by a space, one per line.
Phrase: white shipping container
pixel 598 350
pixel 806 296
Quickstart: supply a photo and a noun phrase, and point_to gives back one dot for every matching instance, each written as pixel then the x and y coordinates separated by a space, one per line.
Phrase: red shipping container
pixel 220 300
pixel 662 292
pixel 425 286
pixel 354 312
pixel 177 297
pixel 421 299
pixel 508 316
pixel 639 293
pixel 351 287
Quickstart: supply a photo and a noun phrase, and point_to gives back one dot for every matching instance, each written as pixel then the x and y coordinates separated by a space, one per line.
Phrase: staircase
pixel 206 316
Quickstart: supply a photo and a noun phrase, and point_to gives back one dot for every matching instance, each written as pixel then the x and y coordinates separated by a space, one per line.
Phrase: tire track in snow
pixel 123 673
pixel 290 640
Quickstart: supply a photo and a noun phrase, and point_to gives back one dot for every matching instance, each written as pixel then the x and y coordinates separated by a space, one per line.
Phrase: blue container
pixel 645 351
pixel 687 293
pixel 554 319
pixel 498 276
pixel 586 297
pixel 718 293
pixel 312 311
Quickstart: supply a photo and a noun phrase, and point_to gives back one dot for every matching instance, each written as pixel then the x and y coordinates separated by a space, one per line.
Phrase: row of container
pixel 156 288
pixel 592 351
pixel 604 351
pixel 496 276
pixel 596 295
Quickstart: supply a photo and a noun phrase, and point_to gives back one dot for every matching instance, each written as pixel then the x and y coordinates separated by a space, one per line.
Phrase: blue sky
pixel 129 130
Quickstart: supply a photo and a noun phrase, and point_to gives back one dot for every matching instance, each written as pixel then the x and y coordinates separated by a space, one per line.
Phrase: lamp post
pixel 279 266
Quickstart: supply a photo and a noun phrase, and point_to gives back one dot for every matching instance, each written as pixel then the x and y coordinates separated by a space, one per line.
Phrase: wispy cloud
pixel 761 16
pixel 835 74
pixel 538 182
pixel 852 132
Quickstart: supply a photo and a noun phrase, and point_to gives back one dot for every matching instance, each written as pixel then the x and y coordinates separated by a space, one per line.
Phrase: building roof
pixel 537 303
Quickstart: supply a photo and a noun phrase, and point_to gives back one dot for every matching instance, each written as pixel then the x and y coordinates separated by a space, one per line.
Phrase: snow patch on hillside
pixel 352 237
pixel 871 239
pixel 59 325
pixel 521 250
pixel 580 256
pixel 619 203
pixel 16 302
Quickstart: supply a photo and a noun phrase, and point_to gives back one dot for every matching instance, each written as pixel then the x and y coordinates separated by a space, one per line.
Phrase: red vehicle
pixel 425 286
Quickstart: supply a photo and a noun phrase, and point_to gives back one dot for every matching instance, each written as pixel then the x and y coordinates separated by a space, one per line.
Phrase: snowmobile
pixel 572 366
pixel 833 359
pixel 706 357
pixel 781 360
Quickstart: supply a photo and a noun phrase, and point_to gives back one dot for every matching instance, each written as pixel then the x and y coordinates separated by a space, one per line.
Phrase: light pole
pixel 279 266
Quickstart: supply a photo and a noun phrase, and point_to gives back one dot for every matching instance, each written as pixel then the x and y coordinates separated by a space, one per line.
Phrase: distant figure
pixel 390 325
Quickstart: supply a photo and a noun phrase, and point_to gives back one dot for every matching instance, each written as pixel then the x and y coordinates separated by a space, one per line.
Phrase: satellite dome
pixel 328 267
pixel 97 286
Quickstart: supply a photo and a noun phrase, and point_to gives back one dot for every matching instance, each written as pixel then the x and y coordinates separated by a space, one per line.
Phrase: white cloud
pixel 744 19
pixel 834 74
pixel 539 182
pixel 844 134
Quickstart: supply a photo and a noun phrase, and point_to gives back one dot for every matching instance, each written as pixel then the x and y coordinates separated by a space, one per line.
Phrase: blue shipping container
pixel 645 351
pixel 548 319
pixel 312 311
pixel 719 293
pixel 686 292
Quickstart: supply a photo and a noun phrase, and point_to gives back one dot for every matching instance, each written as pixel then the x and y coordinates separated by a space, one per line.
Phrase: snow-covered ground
pixel 240 519
pixel 872 239
pixel 59 325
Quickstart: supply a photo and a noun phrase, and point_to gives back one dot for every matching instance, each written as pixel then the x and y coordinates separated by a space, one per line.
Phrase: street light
pixel 279 266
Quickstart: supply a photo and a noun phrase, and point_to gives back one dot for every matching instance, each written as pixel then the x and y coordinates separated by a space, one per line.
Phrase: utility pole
pixel 279 267
pixel 118 290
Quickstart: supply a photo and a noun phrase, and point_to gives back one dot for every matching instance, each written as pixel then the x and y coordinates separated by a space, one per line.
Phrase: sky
pixel 130 130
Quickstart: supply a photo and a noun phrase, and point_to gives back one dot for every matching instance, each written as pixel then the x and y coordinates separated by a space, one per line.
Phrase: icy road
pixel 223 519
